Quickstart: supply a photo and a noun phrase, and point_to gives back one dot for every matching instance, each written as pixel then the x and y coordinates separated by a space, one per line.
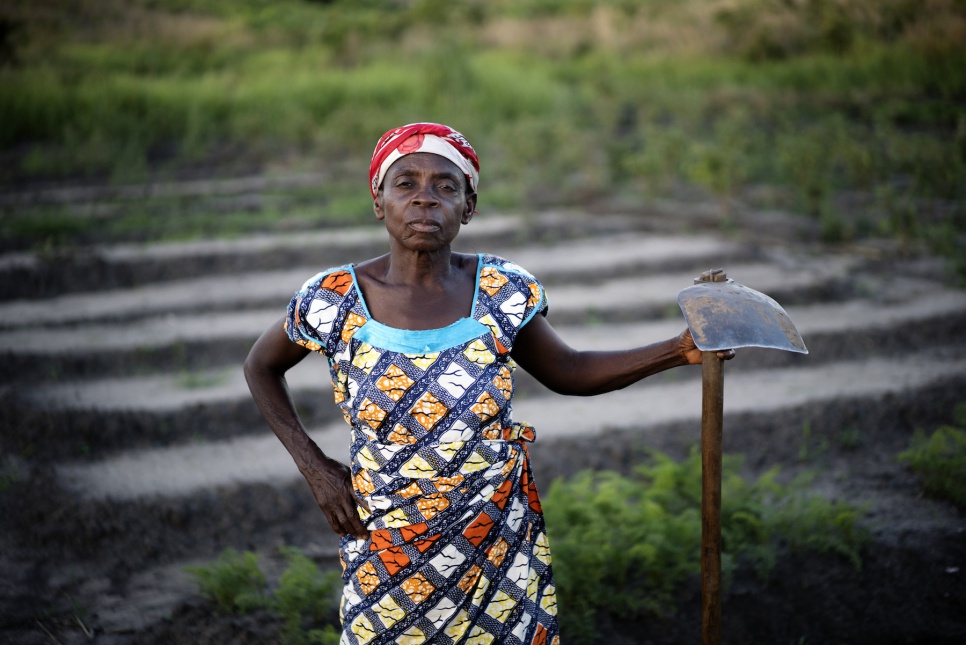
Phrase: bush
pixel 625 544
pixel 234 581
pixel 940 459
pixel 305 598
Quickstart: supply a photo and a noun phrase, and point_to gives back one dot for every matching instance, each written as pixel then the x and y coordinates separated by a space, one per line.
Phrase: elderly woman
pixel 443 537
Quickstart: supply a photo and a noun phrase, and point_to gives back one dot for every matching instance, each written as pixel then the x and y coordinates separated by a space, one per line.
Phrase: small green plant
pixel 196 380
pixel 810 448
pixel 305 596
pixel 850 438
pixel 940 459
pixel 625 544
pixel 234 581
pixel 9 474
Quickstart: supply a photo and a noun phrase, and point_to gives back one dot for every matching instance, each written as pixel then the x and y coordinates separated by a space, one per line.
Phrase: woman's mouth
pixel 424 226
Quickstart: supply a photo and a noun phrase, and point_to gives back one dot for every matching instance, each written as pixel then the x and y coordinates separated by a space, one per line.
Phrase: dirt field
pixel 130 449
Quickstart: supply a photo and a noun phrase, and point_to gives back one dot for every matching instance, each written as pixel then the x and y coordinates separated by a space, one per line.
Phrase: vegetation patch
pixel 624 545
pixel 940 459
pixel 850 110
pixel 305 598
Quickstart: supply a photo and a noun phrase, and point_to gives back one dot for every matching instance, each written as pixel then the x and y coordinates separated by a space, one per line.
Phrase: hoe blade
pixel 727 315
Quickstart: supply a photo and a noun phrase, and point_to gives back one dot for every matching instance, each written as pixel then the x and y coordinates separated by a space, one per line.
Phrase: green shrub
pixel 940 459
pixel 304 598
pixel 234 581
pixel 304 595
pixel 625 544
pixel 822 98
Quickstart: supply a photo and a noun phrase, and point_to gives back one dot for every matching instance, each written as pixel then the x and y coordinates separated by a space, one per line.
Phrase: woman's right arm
pixel 272 355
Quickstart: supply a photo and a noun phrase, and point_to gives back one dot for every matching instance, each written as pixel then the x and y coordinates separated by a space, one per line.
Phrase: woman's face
pixel 424 201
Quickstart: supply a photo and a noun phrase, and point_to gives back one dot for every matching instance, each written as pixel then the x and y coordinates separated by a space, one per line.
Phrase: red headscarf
pixel 434 138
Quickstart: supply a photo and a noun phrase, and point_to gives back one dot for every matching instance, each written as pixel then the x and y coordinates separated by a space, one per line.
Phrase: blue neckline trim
pixel 420 341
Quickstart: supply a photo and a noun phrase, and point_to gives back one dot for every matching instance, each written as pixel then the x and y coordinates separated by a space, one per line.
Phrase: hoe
pixel 723 314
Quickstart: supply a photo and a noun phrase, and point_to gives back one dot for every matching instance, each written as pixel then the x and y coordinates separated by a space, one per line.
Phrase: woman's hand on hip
pixel 331 484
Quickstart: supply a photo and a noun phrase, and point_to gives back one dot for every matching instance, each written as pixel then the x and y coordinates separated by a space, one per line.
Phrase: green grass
pixel 940 459
pixel 845 96
pixel 234 582
pixel 305 598
pixel 624 545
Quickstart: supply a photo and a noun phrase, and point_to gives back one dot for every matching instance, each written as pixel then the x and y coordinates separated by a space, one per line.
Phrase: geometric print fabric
pixel 458 551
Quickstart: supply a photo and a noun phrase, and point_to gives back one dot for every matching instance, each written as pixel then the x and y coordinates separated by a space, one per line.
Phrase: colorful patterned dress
pixel 458 550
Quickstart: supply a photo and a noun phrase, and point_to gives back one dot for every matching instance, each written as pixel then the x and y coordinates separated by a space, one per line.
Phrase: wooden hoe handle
pixel 712 411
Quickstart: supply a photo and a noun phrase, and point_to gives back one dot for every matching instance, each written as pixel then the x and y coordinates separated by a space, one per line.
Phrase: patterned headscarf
pixel 434 138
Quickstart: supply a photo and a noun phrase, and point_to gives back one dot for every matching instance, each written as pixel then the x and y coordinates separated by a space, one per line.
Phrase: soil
pixel 910 589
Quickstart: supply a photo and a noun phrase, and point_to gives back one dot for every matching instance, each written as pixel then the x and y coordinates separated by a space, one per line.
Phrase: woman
pixel 443 536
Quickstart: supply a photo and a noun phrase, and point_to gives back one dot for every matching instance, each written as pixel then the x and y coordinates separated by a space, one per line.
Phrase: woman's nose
pixel 426 196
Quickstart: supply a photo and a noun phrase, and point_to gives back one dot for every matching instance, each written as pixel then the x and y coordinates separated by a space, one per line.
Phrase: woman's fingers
pixel 331 485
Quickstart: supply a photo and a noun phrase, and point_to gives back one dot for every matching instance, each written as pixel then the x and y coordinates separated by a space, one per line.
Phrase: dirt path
pixel 130 447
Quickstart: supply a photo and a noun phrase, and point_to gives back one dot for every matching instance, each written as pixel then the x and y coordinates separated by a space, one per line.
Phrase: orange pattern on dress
pixel 394 383
pixel 418 588
pixel 504 382
pixel 401 434
pixel 340 282
pixel 371 414
pixel 540 638
pixel 534 295
pixel 502 494
pixel 428 410
pixel 485 407
pixel 492 431
pixel 423 544
pixel 533 498
pixel 431 505
pixel 352 323
pixel 497 552
pixel 411 491
pixel 393 559
pixel 363 482
pixel 368 578
pixel 478 529
pixel 446 484
pixel 412 531
pixel 469 579
pixel 508 467
pixel 491 281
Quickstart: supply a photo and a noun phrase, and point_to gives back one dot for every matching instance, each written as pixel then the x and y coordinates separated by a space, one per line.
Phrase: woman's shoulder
pixel 509 293
pixel 337 279
pixel 320 308
pixel 504 265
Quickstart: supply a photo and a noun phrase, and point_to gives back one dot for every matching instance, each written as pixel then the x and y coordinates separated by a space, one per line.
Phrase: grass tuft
pixel 940 459
pixel 624 545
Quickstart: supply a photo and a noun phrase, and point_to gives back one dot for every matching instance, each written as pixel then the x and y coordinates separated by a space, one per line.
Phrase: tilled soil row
pixel 130 447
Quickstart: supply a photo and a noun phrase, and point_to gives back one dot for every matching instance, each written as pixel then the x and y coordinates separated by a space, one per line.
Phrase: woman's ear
pixel 470 208
pixel 377 206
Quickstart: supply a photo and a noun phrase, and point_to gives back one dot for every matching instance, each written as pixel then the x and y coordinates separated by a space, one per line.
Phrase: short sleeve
pixel 511 295
pixel 317 310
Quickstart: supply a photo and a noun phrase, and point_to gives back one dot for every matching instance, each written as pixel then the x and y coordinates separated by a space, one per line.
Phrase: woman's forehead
pixel 424 162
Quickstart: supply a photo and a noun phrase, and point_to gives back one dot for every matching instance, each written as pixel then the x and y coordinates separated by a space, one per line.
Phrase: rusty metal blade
pixel 728 315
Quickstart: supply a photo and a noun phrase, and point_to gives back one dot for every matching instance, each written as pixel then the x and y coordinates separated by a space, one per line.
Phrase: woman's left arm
pixel 544 355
